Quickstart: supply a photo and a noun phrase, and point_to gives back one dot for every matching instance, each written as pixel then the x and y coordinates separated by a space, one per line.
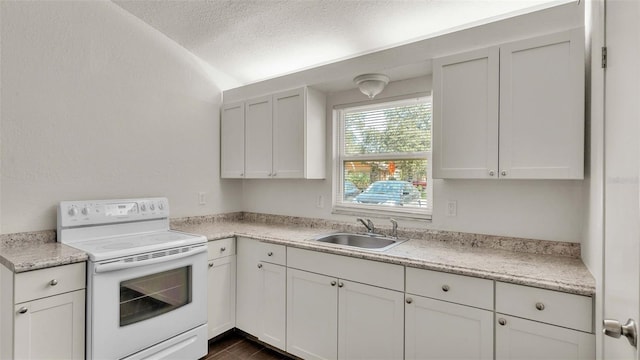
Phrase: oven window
pixel 153 295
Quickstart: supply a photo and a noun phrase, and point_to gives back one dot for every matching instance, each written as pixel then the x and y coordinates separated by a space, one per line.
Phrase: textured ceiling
pixel 252 40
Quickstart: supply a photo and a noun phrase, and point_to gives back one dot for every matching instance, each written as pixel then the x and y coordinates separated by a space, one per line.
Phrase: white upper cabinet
pixel 515 111
pixel 465 115
pixel 284 137
pixel 258 140
pixel 232 143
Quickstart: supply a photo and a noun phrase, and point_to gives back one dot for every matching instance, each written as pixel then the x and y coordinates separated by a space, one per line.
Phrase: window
pixel 384 158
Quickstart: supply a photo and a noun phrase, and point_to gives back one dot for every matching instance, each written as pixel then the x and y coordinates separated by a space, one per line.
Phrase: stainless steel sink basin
pixel 363 241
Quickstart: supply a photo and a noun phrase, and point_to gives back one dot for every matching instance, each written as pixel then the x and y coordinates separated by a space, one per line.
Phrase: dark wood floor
pixel 234 346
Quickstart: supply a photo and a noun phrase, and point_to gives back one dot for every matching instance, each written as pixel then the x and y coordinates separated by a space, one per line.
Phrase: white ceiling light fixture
pixel 371 84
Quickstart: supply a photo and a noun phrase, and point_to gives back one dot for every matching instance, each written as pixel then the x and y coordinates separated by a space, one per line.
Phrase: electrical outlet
pixel 320 202
pixel 202 199
pixel 452 208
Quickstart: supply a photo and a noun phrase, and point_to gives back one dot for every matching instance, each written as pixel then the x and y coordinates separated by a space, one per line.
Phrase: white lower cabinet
pixel 274 304
pixel 43 313
pixel 536 323
pixel 370 322
pixel 221 287
pixel 50 328
pixel 448 316
pixel 437 329
pixel 312 315
pixel 525 339
pixel 261 291
pixel 329 316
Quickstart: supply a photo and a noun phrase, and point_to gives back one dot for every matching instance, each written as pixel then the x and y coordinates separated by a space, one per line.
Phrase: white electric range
pixel 146 284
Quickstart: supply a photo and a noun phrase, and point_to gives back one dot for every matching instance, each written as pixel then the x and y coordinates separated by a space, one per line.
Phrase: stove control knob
pixel 73 211
pixel 160 206
pixel 152 207
pixel 143 207
pixel 85 210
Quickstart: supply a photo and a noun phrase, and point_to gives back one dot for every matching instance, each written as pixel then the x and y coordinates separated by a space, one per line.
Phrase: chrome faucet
pixel 394 228
pixel 368 224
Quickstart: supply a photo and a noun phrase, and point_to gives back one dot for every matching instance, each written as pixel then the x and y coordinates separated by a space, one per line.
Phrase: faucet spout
pixel 368 224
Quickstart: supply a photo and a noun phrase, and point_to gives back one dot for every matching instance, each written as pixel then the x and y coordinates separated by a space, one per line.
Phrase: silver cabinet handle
pixel 259 266
pixel 409 300
pixel 333 283
pixel 223 249
pixel 211 264
pixel 502 321
pixel 503 173
pixel 540 306
pixel 492 172
pixel 340 284
pixel 445 288
pixel 23 310
pixel 270 253
pixel 614 329
pixel 241 174
pixel 274 174
pixel 53 282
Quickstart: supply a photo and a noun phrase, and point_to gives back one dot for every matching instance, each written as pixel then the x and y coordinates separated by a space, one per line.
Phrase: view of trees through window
pixel 385 152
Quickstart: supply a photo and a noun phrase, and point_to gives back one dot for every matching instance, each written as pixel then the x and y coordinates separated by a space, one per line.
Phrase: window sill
pixel 384 213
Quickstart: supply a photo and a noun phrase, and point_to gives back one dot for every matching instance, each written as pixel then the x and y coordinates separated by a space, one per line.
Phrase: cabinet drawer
pixel 459 289
pixel 552 307
pixel 390 276
pixel 219 248
pixel 47 282
pixel 273 253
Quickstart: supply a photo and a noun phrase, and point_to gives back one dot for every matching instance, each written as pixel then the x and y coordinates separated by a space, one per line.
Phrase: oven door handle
pixel 113 266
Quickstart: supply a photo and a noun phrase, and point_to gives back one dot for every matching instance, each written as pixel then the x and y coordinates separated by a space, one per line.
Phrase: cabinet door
pixel 51 327
pixel 274 304
pixel 542 107
pixel 258 138
pixel 465 115
pixel 288 134
pixel 221 295
pixel 312 315
pixel 370 322
pixel 248 303
pixel 232 141
pixel 437 329
pixel 525 339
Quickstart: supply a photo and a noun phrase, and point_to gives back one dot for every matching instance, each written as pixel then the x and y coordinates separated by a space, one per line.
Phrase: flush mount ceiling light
pixel 371 84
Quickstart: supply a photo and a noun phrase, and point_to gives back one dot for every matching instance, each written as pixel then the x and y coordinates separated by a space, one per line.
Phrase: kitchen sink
pixel 364 241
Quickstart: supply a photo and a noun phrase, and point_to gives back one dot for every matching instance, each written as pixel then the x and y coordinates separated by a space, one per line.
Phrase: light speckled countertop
pixel 544 264
pixel 36 250
pixel 562 273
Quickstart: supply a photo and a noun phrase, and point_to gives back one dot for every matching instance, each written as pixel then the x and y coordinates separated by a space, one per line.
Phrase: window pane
pixel 390 183
pixel 405 128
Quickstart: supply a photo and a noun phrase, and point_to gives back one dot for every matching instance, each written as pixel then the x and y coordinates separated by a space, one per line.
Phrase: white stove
pixel 146 284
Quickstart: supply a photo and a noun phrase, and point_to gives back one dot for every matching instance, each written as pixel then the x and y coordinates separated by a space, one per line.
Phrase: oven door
pixel 133 306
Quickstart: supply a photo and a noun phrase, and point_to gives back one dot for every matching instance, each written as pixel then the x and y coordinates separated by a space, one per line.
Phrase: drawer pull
pixel 53 282
pixel 223 249
pixel 270 253
pixel 502 321
pixel 211 264
pixel 333 283
pixel 259 266
pixel 409 300
pixel 540 306
pixel 23 310
pixel 445 288
pixel 340 284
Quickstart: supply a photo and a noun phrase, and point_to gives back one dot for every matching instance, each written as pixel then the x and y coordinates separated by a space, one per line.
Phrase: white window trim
pixel 338 160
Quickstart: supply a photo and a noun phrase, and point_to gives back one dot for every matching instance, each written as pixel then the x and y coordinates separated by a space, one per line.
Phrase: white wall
pixel 97 104
pixel 548 210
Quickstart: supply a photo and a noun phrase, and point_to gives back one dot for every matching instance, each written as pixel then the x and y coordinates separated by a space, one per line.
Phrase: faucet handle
pixel 394 229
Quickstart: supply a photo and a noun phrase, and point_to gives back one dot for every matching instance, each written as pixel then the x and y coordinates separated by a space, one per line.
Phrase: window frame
pixel 340 157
